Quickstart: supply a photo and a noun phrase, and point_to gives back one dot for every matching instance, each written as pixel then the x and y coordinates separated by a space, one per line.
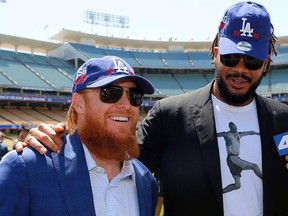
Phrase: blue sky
pixel 150 19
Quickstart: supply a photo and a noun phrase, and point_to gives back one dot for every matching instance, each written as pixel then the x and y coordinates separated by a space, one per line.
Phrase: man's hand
pixel 44 136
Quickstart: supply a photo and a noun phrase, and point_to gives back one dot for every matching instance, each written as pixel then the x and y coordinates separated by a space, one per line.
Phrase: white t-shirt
pixel 240 157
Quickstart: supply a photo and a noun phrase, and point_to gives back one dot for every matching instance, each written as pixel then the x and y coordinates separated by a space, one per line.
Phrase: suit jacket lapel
pixel 140 192
pixel 141 189
pixel 146 192
pixel 203 118
pixel 73 176
pixel 270 162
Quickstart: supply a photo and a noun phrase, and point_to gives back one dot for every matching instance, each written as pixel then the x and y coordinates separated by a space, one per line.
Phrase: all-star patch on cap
pixel 246 29
pixel 98 72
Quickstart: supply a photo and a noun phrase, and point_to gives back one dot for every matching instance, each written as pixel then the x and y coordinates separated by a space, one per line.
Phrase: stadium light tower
pixel 108 20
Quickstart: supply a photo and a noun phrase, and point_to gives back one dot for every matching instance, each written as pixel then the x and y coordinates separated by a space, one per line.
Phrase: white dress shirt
pixel 117 197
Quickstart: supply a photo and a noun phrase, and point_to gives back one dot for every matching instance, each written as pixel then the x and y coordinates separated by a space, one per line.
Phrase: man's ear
pixel 215 51
pixel 266 66
pixel 266 62
pixel 78 102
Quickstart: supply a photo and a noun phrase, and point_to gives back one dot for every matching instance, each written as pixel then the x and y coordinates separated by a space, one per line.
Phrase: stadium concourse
pixel 36 76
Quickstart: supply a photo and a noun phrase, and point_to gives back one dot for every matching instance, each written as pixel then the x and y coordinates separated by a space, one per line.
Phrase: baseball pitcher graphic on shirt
pixel 234 162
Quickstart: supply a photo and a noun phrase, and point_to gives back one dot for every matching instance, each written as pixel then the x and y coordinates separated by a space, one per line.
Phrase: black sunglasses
pixel 113 93
pixel 231 60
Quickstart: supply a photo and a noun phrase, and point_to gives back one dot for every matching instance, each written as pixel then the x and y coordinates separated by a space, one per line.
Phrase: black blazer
pixel 178 138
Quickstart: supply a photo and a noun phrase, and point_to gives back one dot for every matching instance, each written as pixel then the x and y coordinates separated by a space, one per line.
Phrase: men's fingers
pixel 46 128
pixel 60 129
pixel 55 132
pixel 39 140
pixel 19 146
pixel 33 142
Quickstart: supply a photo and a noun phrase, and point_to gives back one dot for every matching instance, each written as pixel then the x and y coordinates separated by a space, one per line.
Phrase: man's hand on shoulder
pixel 44 136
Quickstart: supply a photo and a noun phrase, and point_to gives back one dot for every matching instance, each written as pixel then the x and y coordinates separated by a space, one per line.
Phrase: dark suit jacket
pixel 178 138
pixel 3 150
pixel 51 184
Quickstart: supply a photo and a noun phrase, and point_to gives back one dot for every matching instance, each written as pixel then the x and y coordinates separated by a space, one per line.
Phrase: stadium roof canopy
pixel 126 43
pixel 25 44
pixel 70 36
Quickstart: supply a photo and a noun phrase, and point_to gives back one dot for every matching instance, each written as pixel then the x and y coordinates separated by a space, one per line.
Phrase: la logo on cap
pixel 246 28
pixel 119 67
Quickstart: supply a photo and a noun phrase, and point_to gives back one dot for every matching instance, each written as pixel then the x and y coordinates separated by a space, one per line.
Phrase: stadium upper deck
pixel 174 67
pixel 38 75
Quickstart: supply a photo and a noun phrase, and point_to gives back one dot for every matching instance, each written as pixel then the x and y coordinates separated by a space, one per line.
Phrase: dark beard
pixel 105 145
pixel 233 99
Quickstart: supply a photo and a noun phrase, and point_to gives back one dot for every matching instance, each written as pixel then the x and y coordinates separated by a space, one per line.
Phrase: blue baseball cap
pixel 246 29
pixel 98 72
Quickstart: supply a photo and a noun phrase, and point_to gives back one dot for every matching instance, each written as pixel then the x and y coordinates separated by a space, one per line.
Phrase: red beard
pixel 106 145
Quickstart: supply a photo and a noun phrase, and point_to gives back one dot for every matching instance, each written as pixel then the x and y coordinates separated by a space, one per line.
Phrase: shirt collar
pixel 127 168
